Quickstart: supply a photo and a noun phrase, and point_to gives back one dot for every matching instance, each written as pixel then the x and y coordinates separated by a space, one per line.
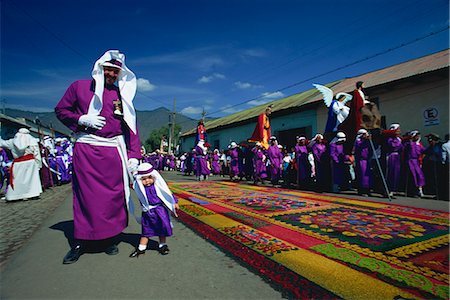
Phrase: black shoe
pixel 164 250
pixel 73 255
pixel 112 250
pixel 137 252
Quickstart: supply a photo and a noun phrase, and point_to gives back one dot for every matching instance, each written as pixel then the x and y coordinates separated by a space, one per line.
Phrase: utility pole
pixel 203 114
pixel 172 127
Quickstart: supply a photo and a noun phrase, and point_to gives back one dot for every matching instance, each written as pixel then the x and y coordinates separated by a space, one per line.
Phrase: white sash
pixel 118 142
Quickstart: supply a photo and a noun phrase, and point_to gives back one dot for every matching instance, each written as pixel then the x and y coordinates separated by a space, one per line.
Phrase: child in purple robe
pixel 363 154
pixel 413 151
pixel 234 163
pixel 156 201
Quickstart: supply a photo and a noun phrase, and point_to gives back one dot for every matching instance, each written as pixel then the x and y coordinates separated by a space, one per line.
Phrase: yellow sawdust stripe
pixel 333 276
pixel 338 278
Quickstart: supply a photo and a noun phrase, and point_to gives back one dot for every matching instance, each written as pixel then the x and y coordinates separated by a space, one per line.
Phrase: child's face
pixel 147 180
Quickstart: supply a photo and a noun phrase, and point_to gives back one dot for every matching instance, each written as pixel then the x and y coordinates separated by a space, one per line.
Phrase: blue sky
pixel 220 56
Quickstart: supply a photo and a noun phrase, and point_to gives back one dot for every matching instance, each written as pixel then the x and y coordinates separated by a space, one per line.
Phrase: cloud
pixel 207 79
pixel 229 109
pixel 245 85
pixel 266 97
pixel 254 53
pixel 200 58
pixel 144 85
pixel 191 110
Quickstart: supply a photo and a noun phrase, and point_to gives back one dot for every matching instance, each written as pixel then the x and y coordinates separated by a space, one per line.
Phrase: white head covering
pixel 340 137
pixel 394 126
pixel 162 190
pixel 233 145
pixel 127 86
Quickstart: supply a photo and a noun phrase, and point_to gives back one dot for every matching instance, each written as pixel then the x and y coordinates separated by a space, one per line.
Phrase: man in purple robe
pixel 201 161
pixel 339 163
pixel 393 150
pixel 215 162
pixel 321 162
pixel 363 154
pixel 303 165
pixel 106 152
pixel 276 159
pixel 413 152
pixel 235 170
pixel 259 164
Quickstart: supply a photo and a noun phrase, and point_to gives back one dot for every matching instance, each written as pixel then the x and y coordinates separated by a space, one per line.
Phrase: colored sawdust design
pixel 376 231
pixel 195 210
pixel 435 259
pixel 247 220
pixel 400 277
pixel 291 284
pixel 407 247
pixel 272 203
pixel 256 240
pixel 198 201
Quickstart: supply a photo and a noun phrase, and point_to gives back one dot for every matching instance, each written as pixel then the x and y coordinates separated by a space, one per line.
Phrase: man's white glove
pixel 92 121
pixel 133 164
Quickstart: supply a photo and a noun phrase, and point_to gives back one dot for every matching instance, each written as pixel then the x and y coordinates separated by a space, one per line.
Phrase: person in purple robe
pixel 201 161
pixel 413 152
pixel 303 165
pixel 321 163
pixel 235 170
pixel 259 164
pixel 275 156
pixel 362 152
pixel 5 161
pixel 60 161
pixel 393 151
pixel 215 162
pixel 157 201
pixel 106 152
pixel 44 172
pixel 339 163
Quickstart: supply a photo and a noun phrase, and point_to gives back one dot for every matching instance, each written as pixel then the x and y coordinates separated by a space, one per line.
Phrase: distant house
pixel 9 127
pixel 414 93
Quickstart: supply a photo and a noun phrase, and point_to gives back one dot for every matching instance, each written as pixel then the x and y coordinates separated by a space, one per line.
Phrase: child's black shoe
pixel 137 252
pixel 164 250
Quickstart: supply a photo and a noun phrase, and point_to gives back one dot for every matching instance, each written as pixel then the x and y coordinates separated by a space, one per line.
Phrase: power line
pixel 340 68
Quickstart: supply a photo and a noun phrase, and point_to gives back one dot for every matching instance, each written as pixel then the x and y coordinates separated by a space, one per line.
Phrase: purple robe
pixel 276 158
pixel 260 171
pixel 234 169
pixel 4 171
pixel 394 149
pixel 45 173
pixel 318 150
pixel 303 166
pixel 363 155
pixel 156 221
pixel 215 164
pixel 337 156
pixel 201 163
pixel 413 151
pixel 99 203
pixel 65 177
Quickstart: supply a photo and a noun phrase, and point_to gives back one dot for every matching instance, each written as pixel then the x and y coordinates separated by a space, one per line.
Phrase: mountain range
pixel 147 120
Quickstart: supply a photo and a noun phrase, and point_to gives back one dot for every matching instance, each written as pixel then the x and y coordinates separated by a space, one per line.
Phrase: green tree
pixel 153 142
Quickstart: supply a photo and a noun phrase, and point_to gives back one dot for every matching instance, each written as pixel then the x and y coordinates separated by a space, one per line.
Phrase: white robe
pixel 26 180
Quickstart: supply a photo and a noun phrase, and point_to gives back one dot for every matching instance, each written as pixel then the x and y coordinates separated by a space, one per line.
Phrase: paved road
pixel 35 235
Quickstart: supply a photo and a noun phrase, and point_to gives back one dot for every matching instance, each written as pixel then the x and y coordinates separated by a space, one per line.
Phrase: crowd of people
pixel 405 164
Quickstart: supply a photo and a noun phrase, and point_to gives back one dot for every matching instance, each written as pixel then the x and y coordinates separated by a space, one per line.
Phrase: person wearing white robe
pixel 25 182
